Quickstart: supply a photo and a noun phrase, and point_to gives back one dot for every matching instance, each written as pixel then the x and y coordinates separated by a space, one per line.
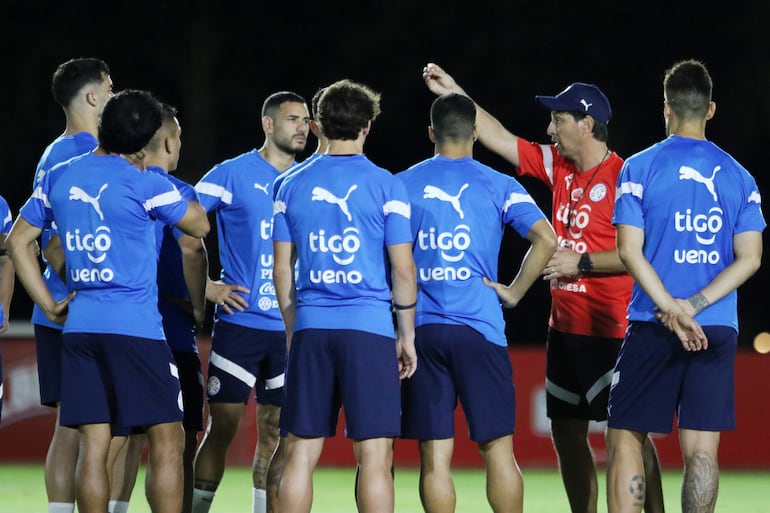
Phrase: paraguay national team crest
pixel 598 192
pixel 214 385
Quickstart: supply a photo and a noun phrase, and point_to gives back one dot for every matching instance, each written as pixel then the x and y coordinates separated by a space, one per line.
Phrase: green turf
pixel 22 491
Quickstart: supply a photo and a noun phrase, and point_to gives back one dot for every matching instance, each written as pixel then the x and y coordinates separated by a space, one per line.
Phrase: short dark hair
pixel 453 117
pixel 275 100
pixel 687 85
pixel 128 121
pixel 70 77
pixel 345 107
pixel 314 102
pixel 600 130
pixel 167 113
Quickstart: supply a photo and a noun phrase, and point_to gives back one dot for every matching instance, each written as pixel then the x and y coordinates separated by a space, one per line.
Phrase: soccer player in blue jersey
pixel 689 226
pixel 248 346
pixel 117 370
pixel 459 209
pixel 278 460
pixel 182 272
pixel 7 277
pixel 82 87
pixel 346 221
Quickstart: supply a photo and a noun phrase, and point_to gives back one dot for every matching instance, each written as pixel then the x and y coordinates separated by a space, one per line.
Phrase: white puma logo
pixel 76 193
pixel 688 173
pixel 433 192
pixel 754 197
pixel 321 194
pixel 262 188
pixel 585 104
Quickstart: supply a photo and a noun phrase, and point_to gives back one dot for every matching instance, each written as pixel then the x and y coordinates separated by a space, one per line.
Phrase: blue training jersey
pixel 341 212
pixel 691 198
pixel 296 168
pixel 239 190
pixel 60 150
pixel 178 324
pixel 459 210
pixel 105 211
pixel 6 221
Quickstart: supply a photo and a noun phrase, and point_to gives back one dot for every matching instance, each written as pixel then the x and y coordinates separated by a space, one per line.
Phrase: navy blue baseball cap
pixel 580 97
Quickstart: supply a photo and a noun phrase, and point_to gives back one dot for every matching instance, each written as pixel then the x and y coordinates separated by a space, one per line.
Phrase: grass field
pixel 22 491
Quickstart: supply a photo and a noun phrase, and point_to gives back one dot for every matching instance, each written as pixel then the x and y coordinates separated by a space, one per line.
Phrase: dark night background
pixel 217 61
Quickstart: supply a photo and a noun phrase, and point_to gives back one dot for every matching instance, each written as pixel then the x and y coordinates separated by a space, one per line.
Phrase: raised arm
pixel 543 240
pixel 492 134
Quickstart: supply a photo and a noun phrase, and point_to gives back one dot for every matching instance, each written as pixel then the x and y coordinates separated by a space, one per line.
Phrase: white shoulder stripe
pixel 635 189
pixel 161 200
pixel 545 149
pixel 7 219
pixel 517 197
pixel 215 190
pixel 38 194
pixel 279 207
pixel 754 197
pixel 397 207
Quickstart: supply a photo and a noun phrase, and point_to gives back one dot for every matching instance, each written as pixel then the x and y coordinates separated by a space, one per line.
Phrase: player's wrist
pixel 698 302
pixel 585 264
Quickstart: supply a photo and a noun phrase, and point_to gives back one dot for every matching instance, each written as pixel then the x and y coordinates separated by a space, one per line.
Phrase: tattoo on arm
pixel 699 302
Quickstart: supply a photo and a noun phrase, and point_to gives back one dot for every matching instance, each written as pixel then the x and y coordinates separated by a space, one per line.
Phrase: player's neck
pixel 277 158
pixel 455 150
pixel 593 155
pixel 80 122
pixel 346 147
pixel 689 129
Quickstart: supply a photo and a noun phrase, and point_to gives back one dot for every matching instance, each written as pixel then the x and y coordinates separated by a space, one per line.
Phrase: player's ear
pixel 167 145
pixel 91 98
pixel 712 110
pixel 267 124
pixel 431 134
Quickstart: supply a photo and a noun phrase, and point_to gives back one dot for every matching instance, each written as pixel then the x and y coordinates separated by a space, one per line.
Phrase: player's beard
pixel 291 146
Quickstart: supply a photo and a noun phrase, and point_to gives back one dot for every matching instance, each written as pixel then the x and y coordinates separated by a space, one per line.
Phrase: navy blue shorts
pixel 454 362
pixel 48 342
pixel 656 378
pixel 578 373
pixel 355 369
pixel 191 382
pixel 126 381
pixel 244 358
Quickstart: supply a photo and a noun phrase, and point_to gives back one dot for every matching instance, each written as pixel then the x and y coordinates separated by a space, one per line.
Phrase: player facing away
pixel 81 87
pixel 117 370
pixel 589 286
pixel 278 460
pixel 7 277
pixel 459 209
pixel 182 273
pixel 346 221
pixel 248 346
pixel 689 225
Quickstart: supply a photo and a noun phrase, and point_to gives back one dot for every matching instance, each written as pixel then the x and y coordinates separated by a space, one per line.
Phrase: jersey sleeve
pixel 37 209
pixel 750 218
pixel 188 193
pixel 538 161
pixel 215 189
pixel 6 218
pixel 519 209
pixel 163 200
pixel 629 195
pixel 281 231
pixel 398 213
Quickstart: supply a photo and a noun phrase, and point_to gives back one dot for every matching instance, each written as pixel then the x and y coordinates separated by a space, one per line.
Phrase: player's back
pixel 341 211
pixel 459 209
pixel 691 198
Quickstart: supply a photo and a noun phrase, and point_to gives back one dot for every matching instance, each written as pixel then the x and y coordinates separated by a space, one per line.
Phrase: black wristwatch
pixel 585 265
